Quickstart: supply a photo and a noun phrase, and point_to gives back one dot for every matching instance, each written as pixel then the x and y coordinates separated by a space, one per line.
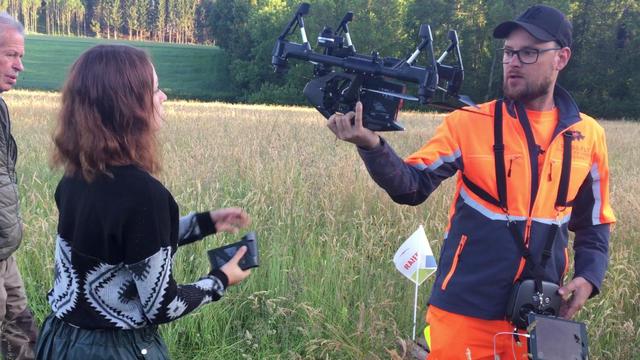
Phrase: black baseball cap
pixel 542 22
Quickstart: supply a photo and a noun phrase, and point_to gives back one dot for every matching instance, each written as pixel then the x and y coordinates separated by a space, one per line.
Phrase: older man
pixel 17 327
pixel 529 168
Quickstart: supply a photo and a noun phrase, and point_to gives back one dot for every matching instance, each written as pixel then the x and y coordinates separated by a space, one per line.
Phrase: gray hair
pixel 8 21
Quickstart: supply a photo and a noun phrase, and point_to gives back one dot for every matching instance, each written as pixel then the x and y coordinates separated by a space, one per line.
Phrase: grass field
pixel 185 71
pixel 327 288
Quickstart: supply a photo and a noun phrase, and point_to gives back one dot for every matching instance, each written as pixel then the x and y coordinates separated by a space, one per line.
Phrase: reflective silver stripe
pixel 548 221
pixel 500 216
pixel 439 161
pixel 597 200
pixel 484 211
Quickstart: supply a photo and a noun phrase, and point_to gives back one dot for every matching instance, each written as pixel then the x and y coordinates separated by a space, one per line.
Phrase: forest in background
pixel 602 73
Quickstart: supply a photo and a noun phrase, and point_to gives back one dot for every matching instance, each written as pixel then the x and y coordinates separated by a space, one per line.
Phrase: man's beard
pixel 529 91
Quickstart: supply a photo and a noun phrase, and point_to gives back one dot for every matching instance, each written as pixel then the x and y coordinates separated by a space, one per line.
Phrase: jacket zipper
pixel 454 265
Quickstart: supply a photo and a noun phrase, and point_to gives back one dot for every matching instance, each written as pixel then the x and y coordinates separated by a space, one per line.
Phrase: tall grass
pixel 327 288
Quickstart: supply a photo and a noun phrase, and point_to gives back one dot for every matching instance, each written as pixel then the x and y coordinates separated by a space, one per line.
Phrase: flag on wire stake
pixel 415 255
pixel 415 260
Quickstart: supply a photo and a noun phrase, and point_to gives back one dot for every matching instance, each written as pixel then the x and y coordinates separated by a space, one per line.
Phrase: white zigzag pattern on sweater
pixel 64 295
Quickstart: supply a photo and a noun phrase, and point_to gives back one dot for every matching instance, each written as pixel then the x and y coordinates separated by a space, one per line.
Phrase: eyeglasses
pixel 526 55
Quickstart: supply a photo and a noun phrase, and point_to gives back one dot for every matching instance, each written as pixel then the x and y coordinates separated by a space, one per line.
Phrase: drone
pixel 378 82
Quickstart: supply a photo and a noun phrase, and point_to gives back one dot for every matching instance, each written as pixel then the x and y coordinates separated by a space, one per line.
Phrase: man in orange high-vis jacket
pixel 549 174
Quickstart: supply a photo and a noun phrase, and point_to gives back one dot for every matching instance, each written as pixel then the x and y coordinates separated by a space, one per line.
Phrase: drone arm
pixel 453 37
pixel 283 46
pixel 344 23
pixel 347 37
pixel 289 28
pixel 343 27
pixel 429 84
pixel 444 55
pixel 302 31
pixel 456 73
pixel 413 57
pixel 302 10
pixel 454 42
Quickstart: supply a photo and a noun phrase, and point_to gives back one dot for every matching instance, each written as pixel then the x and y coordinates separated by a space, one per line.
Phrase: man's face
pixel 11 53
pixel 527 82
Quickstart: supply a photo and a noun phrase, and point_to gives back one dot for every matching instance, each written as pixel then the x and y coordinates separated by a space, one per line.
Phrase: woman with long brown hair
pixel 118 226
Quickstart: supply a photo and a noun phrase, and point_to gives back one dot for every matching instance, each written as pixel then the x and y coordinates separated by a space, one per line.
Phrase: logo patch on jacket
pixel 577 135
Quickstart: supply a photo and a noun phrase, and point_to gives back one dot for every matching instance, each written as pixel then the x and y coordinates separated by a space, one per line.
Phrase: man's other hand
pixel 574 296
pixel 348 127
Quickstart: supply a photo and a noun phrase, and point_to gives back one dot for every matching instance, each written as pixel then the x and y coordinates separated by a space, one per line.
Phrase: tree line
pixel 176 21
pixel 602 73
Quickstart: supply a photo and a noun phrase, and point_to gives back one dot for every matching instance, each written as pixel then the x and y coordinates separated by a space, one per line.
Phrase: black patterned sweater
pixel 113 258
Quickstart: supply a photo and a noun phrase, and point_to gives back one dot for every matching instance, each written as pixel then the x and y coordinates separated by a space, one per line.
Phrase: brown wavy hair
pixel 107 113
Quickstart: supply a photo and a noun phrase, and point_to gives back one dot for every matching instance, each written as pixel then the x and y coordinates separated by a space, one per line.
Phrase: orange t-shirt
pixel 542 124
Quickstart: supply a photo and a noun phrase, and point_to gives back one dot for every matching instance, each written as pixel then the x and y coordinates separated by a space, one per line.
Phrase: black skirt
pixel 60 340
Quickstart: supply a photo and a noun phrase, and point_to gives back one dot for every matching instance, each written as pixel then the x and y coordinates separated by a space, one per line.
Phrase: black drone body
pixel 379 83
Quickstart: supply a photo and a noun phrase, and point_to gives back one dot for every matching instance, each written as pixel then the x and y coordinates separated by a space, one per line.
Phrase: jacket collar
pixel 567 107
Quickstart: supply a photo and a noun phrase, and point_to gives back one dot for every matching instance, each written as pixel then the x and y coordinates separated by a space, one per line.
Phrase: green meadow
pixel 184 71
pixel 327 287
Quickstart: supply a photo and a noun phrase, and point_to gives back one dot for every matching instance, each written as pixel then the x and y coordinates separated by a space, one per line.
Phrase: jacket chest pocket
pixel 481 170
pixel 579 171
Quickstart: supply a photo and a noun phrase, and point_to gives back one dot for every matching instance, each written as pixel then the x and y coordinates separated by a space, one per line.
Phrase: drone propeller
pixel 467 101
pixel 443 106
pixel 462 98
pixel 396 95
pixel 448 107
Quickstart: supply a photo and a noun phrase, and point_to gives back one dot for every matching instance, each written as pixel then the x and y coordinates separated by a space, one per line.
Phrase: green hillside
pixel 185 71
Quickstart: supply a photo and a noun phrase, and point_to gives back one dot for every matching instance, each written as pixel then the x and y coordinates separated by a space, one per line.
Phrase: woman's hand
pixel 234 273
pixel 229 219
